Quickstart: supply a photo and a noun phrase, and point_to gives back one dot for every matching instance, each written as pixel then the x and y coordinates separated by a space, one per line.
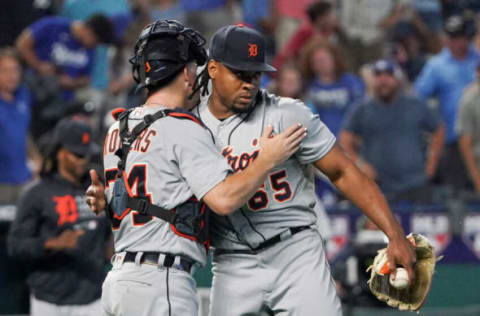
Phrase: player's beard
pixel 238 109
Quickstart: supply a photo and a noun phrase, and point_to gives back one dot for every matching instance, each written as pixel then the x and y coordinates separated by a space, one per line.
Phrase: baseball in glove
pixel 413 296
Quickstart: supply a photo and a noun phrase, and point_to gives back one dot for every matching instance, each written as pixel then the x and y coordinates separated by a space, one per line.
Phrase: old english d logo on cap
pixel 252 50
pixel 241 48
pixel 85 138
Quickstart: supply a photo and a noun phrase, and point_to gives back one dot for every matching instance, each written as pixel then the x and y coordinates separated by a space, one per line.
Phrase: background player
pixel 65 244
pixel 267 259
pixel 169 162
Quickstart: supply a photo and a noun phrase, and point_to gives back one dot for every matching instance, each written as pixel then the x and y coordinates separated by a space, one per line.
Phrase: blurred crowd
pixel 397 81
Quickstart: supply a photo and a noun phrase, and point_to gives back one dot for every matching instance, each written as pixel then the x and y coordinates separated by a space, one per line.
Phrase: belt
pixel 170 261
pixel 267 243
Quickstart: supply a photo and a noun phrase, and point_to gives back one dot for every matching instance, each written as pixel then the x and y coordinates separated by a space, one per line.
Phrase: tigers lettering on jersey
pixel 282 191
pixel 141 144
pixel 241 161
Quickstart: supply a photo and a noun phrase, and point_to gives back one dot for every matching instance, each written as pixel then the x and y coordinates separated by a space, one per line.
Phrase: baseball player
pixel 54 232
pixel 160 166
pixel 268 258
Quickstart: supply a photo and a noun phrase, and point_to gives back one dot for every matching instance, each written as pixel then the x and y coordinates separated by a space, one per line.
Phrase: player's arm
pixel 22 240
pixel 350 143
pixel 238 188
pixel 366 195
pixel 25 45
pixel 235 190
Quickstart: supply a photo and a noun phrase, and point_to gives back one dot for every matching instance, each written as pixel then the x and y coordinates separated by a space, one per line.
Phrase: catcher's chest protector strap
pixel 189 219
pixel 127 137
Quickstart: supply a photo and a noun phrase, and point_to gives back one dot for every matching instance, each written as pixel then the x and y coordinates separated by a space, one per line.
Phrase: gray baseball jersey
pixel 169 162
pixel 287 198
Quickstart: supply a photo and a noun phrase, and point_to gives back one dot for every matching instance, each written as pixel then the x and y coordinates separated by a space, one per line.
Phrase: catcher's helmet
pixel 162 49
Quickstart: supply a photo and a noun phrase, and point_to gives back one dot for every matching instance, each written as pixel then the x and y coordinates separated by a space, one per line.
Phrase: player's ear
pixel 190 74
pixel 212 68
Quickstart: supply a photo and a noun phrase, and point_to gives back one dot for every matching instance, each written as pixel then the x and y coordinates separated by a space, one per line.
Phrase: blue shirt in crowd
pixel 118 10
pixel 54 42
pixel 200 5
pixel 445 78
pixel 332 101
pixel 254 11
pixel 14 124
pixel 393 139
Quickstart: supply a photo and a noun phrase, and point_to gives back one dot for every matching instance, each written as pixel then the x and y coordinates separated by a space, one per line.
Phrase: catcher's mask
pixel 162 49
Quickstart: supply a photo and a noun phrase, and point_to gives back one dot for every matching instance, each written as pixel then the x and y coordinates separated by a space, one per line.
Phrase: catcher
pixel 392 288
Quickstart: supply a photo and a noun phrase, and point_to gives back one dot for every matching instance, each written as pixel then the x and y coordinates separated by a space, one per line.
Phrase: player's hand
pixel 96 194
pixel 278 148
pixel 68 239
pixel 46 68
pixel 400 251
pixel 67 82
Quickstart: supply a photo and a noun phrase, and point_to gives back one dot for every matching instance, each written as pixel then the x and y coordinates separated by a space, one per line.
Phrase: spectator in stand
pixel 407 50
pixel 468 128
pixel 16 145
pixel 207 16
pixel 430 11
pixel 257 14
pixel 56 46
pixel 364 25
pixel 445 76
pixel 323 25
pixel 60 53
pixel 288 83
pixel 288 16
pixel 330 89
pixel 167 10
pixel 118 11
pixel 385 136
pixel 54 231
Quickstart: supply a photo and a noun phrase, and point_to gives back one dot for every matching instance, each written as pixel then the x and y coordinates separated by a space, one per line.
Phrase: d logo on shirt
pixel 66 208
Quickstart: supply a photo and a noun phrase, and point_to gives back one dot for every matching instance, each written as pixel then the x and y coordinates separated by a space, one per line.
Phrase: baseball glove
pixel 413 296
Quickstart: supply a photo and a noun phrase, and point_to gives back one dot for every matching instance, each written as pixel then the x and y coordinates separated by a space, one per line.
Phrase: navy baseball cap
pixel 75 135
pixel 241 48
pixel 456 26
pixel 383 65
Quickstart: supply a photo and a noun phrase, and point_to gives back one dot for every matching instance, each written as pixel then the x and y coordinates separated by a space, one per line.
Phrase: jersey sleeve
pixel 319 140
pixel 23 240
pixel 199 162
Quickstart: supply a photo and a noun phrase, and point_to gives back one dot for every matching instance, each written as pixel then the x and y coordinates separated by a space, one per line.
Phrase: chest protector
pixel 189 219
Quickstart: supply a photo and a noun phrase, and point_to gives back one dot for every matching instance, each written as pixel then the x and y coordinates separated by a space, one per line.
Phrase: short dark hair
pixel 318 9
pixel 102 27
pixel 8 51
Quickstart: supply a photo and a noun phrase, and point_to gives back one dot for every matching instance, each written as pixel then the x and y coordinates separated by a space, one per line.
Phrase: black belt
pixel 169 261
pixel 267 243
